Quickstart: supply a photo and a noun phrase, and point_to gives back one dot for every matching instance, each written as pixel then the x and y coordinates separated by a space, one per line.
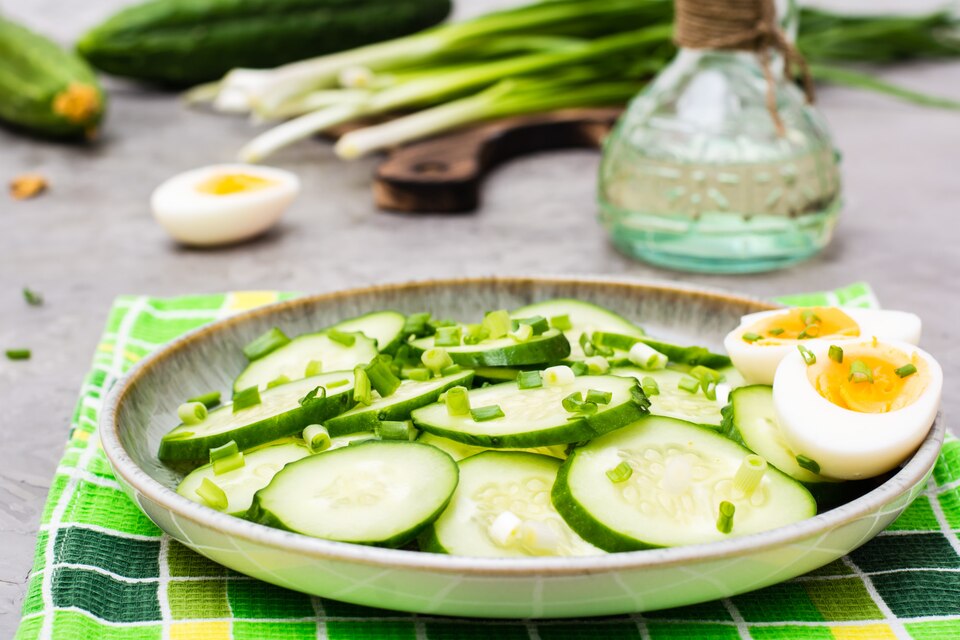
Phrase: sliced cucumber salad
pixel 556 429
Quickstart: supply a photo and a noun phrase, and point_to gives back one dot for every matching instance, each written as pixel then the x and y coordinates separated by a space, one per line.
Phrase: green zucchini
pixel 45 89
pixel 183 42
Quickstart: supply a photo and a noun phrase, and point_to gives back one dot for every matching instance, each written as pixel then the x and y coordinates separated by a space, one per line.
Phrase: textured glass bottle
pixel 696 176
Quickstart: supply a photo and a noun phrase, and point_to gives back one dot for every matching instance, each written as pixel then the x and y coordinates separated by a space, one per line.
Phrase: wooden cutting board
pixel 445 174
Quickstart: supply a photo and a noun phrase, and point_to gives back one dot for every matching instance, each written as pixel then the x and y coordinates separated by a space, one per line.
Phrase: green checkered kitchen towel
pixel 103 570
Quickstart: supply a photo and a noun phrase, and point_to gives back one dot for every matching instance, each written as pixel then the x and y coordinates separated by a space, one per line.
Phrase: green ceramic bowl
pixel 142 407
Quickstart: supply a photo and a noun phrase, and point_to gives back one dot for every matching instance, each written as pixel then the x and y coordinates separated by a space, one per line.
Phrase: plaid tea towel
pixel 103 570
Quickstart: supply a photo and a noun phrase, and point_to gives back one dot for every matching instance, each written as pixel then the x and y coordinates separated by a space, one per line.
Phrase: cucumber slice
pixel 549 347
pixel 672 401
pixel 239 485
pixel 536 417
pixel 279 414
pixel 495 375
pixel 692 355
pixel 583 316
pixel 492 484
pixel 409 395
pixel 458 451
pixel 681 473
pixel 385 327
pixel 291 360
pixel 380 493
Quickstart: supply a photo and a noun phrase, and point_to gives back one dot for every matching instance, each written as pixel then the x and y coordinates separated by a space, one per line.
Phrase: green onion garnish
pixel 192 412
pixel 18 354
pixel 482 414
pixel 314 367
pixel 776 331
pixel 599 397
pixel 246 398
pixel 522 333
pixel 416 324
pixel 650 386
pixel 539 324
pixel 452 369
pixel 229 463
pixel 614 340
pixel 265 343
pixel 317 437
pixel 420 374
pixel 497 324
pixel 212 495
pixel 580 368
pixel 436 359
pixel 475 334
pixel 597 365
pixel 574 403
pixel 860 372
pixel 688 384
pixel 362 391
pixel 835 353
pixel 436 324
pixel 314 395
pixel 587 345
pixel 640 398
pixel 725 517
pixel 750 336
pixel 905 370
pixel 447 337
pixel 809 317
pixel 621 472
pixel 224 451
pixel 33 298
pixel 529 380
pixel 749 474
pixel 811 331
pixel 706 374
pixel 808 356
pixel 209 400
pixel 381 377
pixel 457 401
pixel 808 463
pixel 396 430
pixel 646 357
pixel 279 380
pixel 342 337
pixel 561 322
pixel 709 389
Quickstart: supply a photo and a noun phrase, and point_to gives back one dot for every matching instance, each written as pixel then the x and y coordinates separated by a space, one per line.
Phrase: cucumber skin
pixel 260 514
pixel 34 72
pixel 368 420
pixel 189 453
pixel 692 355
pixel 182 42
pixel 428 541
pixel 534 352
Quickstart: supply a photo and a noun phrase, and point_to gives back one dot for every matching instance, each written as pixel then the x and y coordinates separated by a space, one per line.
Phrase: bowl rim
pixel 132 475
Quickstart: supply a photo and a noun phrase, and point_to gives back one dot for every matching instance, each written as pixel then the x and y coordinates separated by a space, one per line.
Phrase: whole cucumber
pixel 45 89
pixel 183 42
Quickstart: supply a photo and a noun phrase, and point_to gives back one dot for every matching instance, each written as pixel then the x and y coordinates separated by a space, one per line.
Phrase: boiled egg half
pixel 763 339
pixel 223 204
pixel 859 409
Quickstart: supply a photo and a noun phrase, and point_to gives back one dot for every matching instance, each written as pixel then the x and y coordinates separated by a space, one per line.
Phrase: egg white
pixel 847 444
pixel 203 219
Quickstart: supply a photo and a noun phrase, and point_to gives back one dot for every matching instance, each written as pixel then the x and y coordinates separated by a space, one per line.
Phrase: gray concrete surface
pixel 91 238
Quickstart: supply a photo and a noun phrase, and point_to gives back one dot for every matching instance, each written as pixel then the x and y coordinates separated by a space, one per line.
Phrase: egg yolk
pixel 803 323
pixel 230 183
pixel 877 388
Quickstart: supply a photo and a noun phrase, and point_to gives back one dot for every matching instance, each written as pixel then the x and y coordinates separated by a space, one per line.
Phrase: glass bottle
pixel 696 175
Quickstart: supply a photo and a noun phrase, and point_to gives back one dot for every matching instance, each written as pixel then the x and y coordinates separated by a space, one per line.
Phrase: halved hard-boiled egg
pixel 858 408
pixel 221 204
pixel 762 340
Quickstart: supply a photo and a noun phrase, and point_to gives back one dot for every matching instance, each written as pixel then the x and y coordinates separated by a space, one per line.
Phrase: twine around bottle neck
pixel 742 25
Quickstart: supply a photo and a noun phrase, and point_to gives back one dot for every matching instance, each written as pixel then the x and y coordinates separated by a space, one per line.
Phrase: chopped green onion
pixel 597 365
pixel 808 356
pixel 522 333
pixel 436 359
pixel 475 334
pixel 835 353
pixel 314 367
pixel 706 374
pixel 342 337
pixel 265 343
pixel 579 368
pixel 381 377
pixel 621 472
pixel 529 380
pixel 750 336
pixel 646 357
pixel 497 324
pixel 709 389
pixel 192 412
pixel 776 331
pixel 18 354
pixel 810 331
pixel 420 374
pixel 395 430
pixel 650 386
pixel 905 370
pixel 538 324
pixel 558 376
pixel 33 298
pixel 317 437
pixel 809 464
pixel 447 337
pixel 228 463
pixel 599 397
pixel 457 401
pixel 750 474
pixel 416 324
pixel 587 345
pixel 614 340
pixel 224 451
pixel 482 414
pixel 246 398
pixel 809 317
pixel 209 400
pixel 279 380
pixel 725 517
pixel 640 398
pixel 436 325
pixel 362 391
pixel 860 372
pixel 337 383
pixel 212 495
pixel 314 395
pixel 561 322
pixel 452 369
pixel 688 384
pixel 573 401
